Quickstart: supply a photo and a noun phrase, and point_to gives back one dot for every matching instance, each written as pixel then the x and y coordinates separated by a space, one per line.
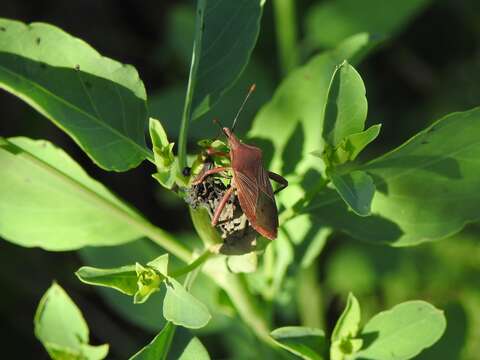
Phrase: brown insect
pixel 250 180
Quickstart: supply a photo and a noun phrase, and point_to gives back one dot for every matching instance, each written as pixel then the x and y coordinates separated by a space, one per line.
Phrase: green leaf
pixel 61 328
pixel 163 153
pixel 148 282
pixel 147 315
pixel 356 188
pixel 348 324
pixel 291 122
pixel 226 35
pixel 160 264
pixel 329 22
pixel 402 332
pixel 246 263
pixel 49 201
pixel 99 102
pixel 346 329
pixel 123 279
pixel 158 348
pixel 194 351
pixel 346 106
pixel 426 188
pixel 181 308
pixel 353 144
pixel 307 343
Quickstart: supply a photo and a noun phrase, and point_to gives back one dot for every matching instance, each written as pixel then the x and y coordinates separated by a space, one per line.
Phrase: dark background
pixel 430 69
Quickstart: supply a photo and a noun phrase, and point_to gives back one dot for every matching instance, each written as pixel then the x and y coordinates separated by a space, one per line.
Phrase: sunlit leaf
pixel 61 328
pixel 123 279
pixel 426 188
pixel 402 332
pixel 49 201
pixel 158 348
pixel 356 188
pixel 181 308
pixel 346 106
pixel 99 102
pixel 307 343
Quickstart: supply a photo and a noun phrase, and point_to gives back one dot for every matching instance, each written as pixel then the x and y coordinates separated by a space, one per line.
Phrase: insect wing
pixel 258 203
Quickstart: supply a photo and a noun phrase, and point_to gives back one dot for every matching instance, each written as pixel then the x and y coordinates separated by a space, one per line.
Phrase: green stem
pixel 193 265
pixel 187 107
pixel 286 32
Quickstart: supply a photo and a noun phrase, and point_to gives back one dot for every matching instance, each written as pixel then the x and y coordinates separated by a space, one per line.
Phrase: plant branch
pixel 193 265
pixel 286 33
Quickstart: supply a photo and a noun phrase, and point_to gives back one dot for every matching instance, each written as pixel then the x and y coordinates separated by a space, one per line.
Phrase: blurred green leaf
pixel 343 342
pixel 61 328
pixel 402 332
pixel 49 201
pixel 356 188
pixel 158 348
pixel 307 343
pixel 246 263
pixel 223 44
pixel 350 269
pixel 99 102
pixel 181 308
pixel 194 351
pixel 426 188
pixel 346 106
pixel 329 22
pixel 123 279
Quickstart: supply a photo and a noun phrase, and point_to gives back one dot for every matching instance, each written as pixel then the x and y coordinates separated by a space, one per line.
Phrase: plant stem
pixel 187 107
pixel 286 32
pixel 193 265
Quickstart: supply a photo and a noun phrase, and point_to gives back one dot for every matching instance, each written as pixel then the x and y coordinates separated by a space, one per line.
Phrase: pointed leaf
pixel 158 348
pixel 160 264
pixel 123 279
pixel 356 189
pixel 61 328
pixel 225 37
pixel 194 351
pixel 402 332
pixel 346 107
pixel 181 308
pixel 307 343
pixel 49 201
pixel 353 144
pixel 99 102
pixel 343 340
pixel 348 324
pixel 163 153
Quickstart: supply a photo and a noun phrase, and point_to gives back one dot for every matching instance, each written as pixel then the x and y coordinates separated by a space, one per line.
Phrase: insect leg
pixel 209 172
pixel 212 152
pixel 279 179
pixel 221 205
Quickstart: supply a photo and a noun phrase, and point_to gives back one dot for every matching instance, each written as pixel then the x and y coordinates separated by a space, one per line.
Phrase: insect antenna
pixel 250 91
